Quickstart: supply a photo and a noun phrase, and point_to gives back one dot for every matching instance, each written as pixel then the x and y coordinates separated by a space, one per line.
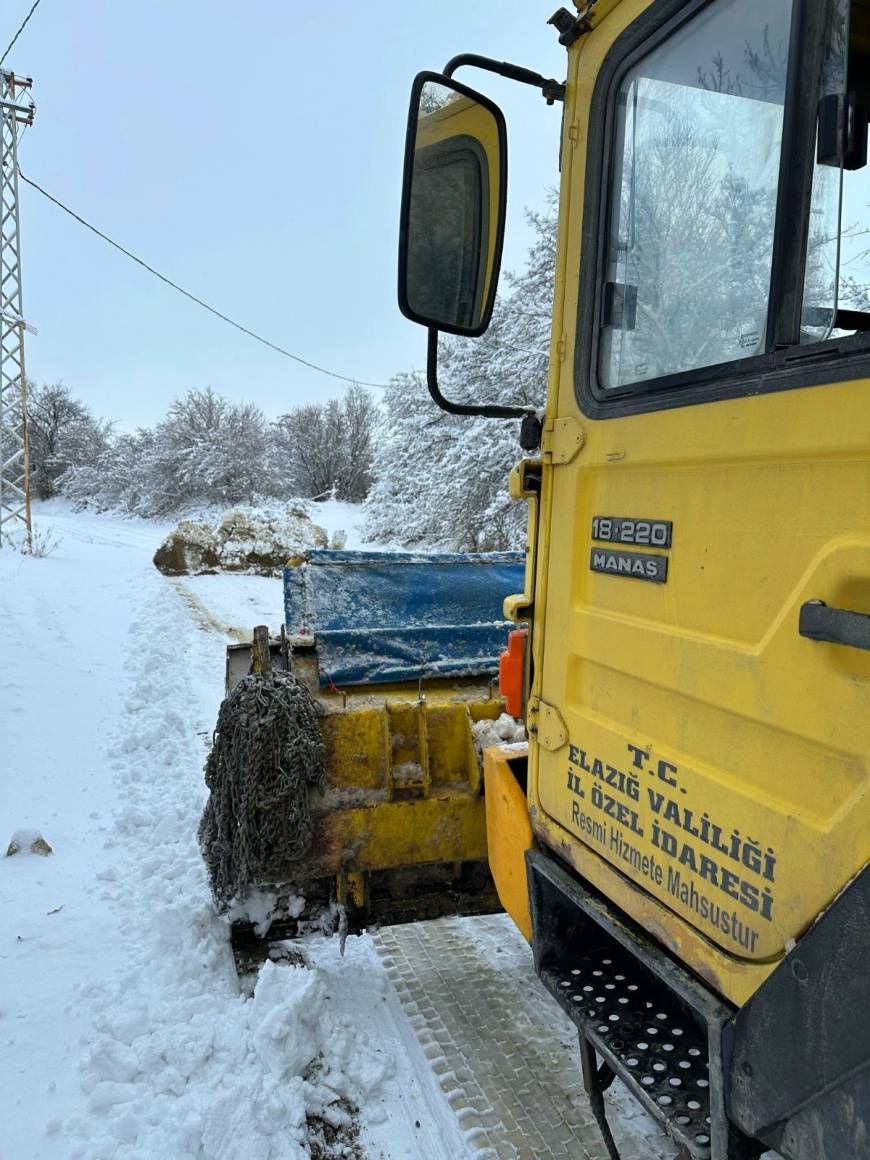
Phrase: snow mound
pixel 224 1077
pixel 28 842
pixel 242 540
pixel 286 1010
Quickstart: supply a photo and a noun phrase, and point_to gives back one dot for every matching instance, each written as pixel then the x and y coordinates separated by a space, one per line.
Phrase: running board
pixel 652 1023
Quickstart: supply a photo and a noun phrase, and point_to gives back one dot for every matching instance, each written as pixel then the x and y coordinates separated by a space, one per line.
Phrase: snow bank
pixel 181 1064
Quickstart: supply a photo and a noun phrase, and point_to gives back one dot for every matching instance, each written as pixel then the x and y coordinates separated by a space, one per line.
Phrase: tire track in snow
pixel 505 1054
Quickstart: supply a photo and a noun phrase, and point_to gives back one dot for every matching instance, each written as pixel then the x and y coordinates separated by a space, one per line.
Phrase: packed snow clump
pixel 261 907
pixel 503 731
pixel 242 540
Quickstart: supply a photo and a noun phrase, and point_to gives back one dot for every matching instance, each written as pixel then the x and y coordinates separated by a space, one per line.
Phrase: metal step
pixel 653 1023
pixel 647 1038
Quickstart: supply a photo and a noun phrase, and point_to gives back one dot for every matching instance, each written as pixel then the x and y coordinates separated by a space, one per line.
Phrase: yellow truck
pixel 685 844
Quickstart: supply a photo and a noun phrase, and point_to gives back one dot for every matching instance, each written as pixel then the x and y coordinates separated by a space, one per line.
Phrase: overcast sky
pixel 253 153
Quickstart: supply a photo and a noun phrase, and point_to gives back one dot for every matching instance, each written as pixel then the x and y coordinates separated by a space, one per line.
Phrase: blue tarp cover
pixel 394 616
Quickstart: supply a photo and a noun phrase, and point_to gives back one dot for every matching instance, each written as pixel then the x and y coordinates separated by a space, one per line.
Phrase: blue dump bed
pixel 380 617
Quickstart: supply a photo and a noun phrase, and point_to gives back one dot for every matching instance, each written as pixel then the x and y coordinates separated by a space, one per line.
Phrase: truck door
pixel 702 678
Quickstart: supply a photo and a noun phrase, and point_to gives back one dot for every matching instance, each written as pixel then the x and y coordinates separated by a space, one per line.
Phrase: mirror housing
pixel 453 206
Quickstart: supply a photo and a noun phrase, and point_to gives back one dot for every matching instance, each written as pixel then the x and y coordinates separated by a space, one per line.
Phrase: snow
pixel 503 731
pixel 237 607
pixel 125 1029
pixel 337 516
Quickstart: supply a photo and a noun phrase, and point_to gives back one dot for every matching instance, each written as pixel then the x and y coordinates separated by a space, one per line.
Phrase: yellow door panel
pixel 717 757
pixel 715 765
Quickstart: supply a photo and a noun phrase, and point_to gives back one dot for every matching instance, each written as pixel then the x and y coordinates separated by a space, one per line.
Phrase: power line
pixel 20 30
pixel 193 298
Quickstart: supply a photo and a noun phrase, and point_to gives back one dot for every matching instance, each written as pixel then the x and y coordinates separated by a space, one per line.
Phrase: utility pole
pixel 14 454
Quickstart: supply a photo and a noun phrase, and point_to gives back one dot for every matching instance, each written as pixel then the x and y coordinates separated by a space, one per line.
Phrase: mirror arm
pixel 485 412
pixel 551 89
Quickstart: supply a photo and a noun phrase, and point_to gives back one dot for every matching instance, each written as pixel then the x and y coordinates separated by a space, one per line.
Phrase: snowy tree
pixel 321 449
pixel 118 478
pixel 441 480
pixel 414 440
pixel 206 450
pixel 63 433
pixel 209 450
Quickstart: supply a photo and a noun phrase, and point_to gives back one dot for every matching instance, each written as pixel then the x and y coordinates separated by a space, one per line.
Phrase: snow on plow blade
pixel 401 653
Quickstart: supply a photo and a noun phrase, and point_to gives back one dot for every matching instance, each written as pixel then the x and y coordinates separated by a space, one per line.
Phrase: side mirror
pixel 453 206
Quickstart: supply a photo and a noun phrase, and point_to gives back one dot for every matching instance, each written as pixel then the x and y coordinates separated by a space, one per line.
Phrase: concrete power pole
pixel 14 456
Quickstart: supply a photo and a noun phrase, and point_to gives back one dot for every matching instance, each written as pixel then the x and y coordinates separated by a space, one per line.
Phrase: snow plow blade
pixel 401 654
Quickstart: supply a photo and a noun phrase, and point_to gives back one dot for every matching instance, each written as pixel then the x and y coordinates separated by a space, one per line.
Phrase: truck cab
pixel 693 813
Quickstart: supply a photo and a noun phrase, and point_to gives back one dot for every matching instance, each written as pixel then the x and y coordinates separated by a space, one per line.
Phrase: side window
pixel 836 298
pixel 693 189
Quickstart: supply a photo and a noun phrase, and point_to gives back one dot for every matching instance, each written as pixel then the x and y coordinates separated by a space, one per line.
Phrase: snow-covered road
pixel 123 1028
pixel 63 683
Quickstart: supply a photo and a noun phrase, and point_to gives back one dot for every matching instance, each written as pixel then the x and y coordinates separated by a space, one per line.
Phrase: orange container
pixel 511 667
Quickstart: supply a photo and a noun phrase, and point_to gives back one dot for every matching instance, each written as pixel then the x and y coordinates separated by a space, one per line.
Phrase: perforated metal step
pixel 634 1024
pixel 654 1023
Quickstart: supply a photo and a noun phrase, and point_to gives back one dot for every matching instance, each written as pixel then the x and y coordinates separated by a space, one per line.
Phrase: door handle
pixel 836 625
